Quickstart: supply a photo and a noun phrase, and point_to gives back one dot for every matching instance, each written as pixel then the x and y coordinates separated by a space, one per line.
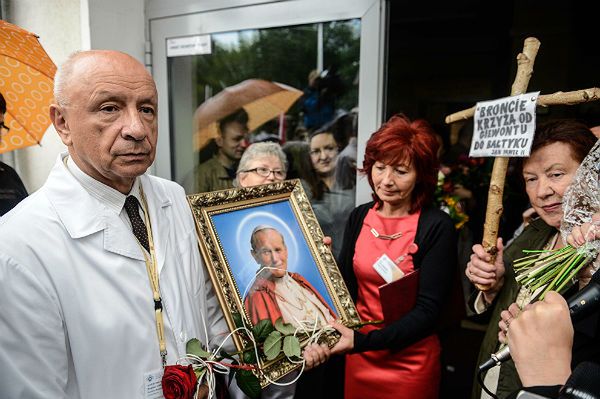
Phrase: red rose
pixel 179 382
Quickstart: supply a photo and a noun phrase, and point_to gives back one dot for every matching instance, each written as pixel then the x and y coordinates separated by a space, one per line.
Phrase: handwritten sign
pixel 188 45
pixel 504 127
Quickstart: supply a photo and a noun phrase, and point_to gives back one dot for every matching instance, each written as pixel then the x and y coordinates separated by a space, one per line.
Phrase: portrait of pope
pixel 276 292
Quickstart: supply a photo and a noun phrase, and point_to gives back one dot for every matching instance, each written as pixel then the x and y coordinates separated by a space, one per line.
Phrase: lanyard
pixel 153 277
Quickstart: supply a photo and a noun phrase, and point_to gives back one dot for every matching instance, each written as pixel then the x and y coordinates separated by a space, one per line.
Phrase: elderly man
pixel 278 293
pixel 101 281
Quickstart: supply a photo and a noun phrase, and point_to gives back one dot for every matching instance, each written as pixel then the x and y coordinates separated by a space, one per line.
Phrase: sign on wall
pixel 188 45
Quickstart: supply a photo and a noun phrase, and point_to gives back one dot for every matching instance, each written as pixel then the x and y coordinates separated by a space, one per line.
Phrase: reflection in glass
pixel 209 134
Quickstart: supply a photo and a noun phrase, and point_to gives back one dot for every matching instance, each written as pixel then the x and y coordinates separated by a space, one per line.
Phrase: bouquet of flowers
pixel 552 270
pixel 449 202
pixel 555 270
pixel 455 186
pixel 266 340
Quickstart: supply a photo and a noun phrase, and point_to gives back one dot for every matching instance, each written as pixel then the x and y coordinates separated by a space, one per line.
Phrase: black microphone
pixel 582 304
pixel 584 382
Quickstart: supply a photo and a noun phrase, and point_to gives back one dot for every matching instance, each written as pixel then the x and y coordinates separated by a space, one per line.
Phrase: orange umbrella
pixel 261 99
pixel 26 82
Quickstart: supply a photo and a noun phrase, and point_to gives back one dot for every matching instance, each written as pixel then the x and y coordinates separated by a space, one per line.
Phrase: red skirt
pixel 413 372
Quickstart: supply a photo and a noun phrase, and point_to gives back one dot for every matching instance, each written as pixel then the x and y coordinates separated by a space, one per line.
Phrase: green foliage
pixel 226 355
pixel 272 345
pixel 249 357
pixel 200 372
pixel 248 383
pixel 262 329
pixel 291 346
pixel 550 270
pixel 194 347
pixel 284 328
pixel 237 320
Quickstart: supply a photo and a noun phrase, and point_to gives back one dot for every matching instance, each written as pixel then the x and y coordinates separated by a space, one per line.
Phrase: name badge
pixel 387 269
pixel 153 384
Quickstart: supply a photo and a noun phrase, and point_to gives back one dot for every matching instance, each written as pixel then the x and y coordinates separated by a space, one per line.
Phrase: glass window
pixel 278 84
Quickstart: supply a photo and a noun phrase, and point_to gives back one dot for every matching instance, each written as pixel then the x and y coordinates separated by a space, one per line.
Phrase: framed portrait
pixel 264 251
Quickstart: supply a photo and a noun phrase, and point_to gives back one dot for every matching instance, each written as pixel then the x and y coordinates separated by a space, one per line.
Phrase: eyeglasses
pixel 265 172
pixel 3 126
pixel 328 149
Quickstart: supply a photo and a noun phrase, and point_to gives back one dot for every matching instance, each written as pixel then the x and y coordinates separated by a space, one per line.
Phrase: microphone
pixel 584 382
pixel 581 304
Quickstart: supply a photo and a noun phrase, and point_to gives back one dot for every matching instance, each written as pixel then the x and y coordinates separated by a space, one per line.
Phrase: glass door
pixel 283 72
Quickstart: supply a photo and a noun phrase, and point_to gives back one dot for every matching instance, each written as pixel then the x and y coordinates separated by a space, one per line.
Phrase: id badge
pixel 153 384
pixel 387 269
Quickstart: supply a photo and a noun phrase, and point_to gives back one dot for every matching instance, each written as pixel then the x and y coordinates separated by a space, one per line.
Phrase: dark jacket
pixel 436 258
pixel 12 190
pixel 535 236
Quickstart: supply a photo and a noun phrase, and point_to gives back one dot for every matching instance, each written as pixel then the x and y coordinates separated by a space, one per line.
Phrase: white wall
pixel 65 26
pixel 117 25
pixel 58 25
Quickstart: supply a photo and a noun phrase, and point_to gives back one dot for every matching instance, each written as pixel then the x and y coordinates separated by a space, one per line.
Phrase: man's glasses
pixel 265 172
pixel 4 127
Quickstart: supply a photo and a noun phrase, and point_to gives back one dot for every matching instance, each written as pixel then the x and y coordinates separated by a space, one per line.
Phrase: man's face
pixel 109 123
pixel 271 252
pixel 233 140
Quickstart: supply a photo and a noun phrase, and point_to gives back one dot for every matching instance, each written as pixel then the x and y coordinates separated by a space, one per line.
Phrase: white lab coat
pixel 76 309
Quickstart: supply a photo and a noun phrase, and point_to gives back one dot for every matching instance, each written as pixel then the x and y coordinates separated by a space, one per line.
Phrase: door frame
pixel 236 15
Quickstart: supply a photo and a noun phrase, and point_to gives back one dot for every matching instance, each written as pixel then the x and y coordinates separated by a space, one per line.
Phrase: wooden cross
pixel 525 61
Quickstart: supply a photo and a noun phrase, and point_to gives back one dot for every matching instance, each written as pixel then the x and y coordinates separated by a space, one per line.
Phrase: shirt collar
pixel 111 198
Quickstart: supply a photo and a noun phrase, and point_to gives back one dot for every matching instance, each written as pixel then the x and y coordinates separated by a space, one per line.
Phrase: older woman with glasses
pixel 264 163
pixel 261 163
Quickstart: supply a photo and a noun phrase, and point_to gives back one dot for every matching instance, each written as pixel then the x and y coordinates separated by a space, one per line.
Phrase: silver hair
pixel 262 227
pixel 257 151
pixel 62 77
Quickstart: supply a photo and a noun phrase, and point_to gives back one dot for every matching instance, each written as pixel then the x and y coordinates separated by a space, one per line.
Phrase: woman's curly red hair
pixel 401 140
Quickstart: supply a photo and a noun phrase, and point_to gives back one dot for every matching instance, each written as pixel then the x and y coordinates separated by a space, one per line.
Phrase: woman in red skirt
pixel 399 229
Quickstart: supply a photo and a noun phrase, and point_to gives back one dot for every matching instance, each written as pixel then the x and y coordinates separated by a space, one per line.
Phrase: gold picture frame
pixel 224 221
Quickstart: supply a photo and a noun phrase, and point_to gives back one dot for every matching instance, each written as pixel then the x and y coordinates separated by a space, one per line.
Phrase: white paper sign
pixel 188 45
pixel 504 127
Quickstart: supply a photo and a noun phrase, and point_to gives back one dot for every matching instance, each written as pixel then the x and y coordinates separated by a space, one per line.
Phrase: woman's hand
pixel 580 235
pixel 480 271
pixel 586 232
pixel 202 392
pixel 346 342
pixel 585 275
pixel 506 317
pixel 315 355
pixel 528 215
pixel 541 340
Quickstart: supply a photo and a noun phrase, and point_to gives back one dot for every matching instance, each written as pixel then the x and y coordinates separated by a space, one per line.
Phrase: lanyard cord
pixel 153 277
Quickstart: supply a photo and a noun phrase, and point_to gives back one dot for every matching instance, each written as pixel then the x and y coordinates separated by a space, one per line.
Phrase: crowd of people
pixel 102 283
